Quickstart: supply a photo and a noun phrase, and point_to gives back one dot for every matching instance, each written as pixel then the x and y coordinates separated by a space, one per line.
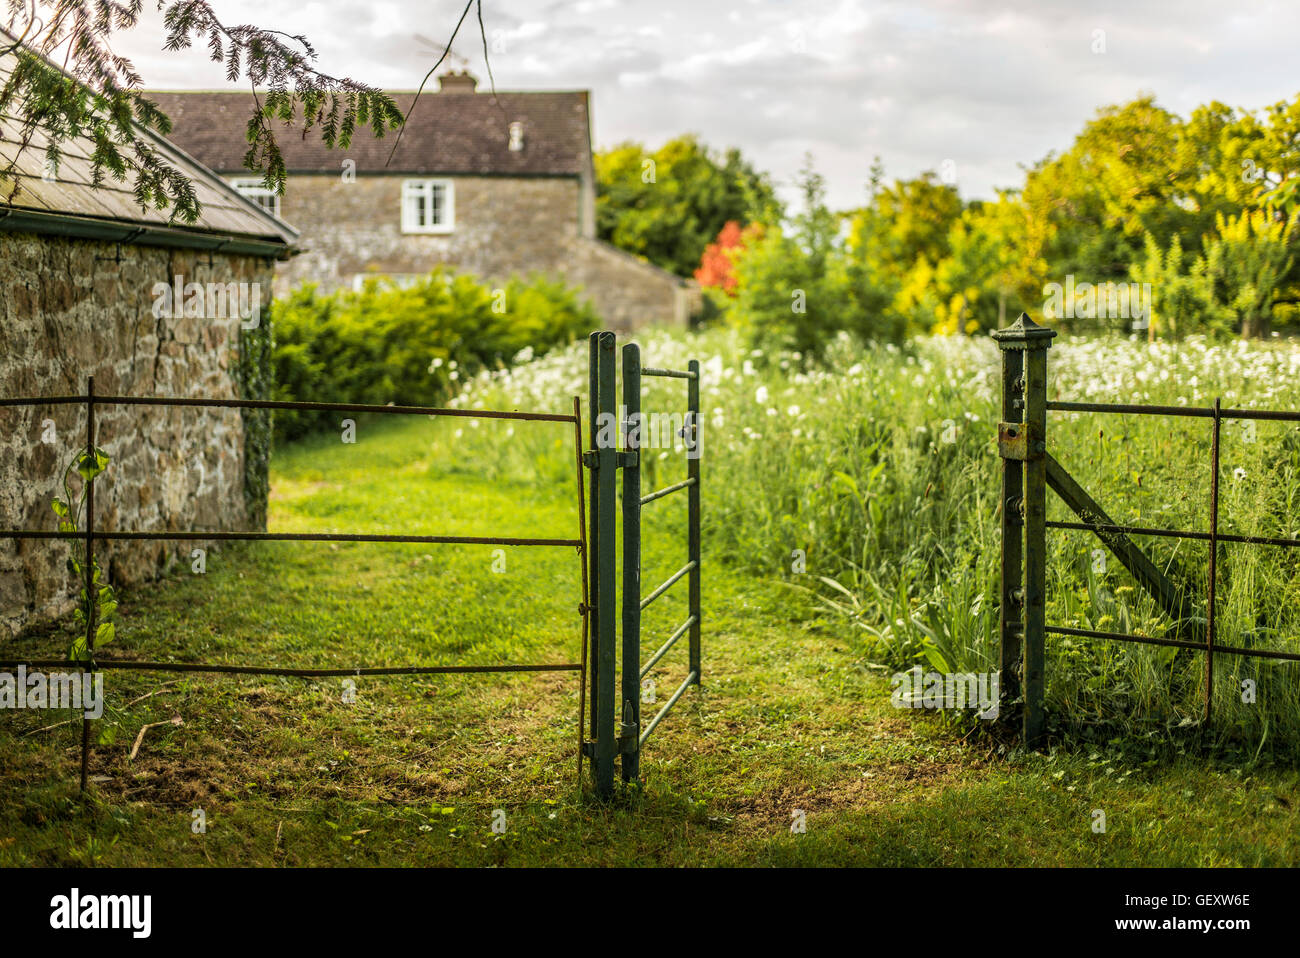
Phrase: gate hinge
pixel 590 459
pixel 625 459
pixel 589 749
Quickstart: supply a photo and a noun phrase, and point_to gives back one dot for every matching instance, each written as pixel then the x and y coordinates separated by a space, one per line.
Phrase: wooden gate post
pixel 1022 444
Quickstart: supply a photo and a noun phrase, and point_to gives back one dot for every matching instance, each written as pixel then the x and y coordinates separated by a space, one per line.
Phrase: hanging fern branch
pixel 282 65
pixel 66 83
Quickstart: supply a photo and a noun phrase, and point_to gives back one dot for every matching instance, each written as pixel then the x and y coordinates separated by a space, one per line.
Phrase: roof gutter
pixel 115 231
pixel 403 171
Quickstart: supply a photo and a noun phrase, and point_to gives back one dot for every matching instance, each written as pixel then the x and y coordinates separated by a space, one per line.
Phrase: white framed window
pixel 259 193
pixel 428 206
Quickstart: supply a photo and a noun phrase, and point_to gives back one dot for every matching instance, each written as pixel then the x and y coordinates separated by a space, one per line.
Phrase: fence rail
pixel 667 584
pixel 663 649
pixel 286 537
pixel 1199 412
pixel 1027 471
pixel 675 487
pixel 1172 533
pixel 301 673
pixel 388 409
pixel 91 534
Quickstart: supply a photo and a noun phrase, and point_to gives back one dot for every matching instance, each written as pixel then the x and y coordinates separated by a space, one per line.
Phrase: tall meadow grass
pixel 876 474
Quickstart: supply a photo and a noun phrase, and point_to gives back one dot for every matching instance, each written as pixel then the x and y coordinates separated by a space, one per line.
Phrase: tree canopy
pixel 1198 214
pixel 668 205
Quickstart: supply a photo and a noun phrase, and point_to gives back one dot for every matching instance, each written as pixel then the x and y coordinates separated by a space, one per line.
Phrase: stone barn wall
pixel 626 292
pixel 71 308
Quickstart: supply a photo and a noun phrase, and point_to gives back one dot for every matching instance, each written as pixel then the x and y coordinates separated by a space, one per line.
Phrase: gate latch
pixel 629 731
pixel 622 460
pixel 1015 441
pixel 629 738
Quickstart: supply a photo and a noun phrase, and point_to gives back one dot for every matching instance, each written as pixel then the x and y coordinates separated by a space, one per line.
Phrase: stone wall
pixel 626 292
pixel 503 226
pixel 68 309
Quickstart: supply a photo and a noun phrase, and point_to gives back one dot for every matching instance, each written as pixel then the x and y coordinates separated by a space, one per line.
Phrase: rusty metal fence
pixel 92 534
pixel 1028 469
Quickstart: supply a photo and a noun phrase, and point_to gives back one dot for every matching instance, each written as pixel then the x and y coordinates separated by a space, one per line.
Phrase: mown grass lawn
pixel 790 722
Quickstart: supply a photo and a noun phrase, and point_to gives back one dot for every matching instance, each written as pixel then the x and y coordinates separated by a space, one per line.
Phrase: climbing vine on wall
pixel 253 373
pixel 96 600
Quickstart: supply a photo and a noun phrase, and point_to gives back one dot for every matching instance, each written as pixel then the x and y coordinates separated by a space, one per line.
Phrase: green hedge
pixel 409 346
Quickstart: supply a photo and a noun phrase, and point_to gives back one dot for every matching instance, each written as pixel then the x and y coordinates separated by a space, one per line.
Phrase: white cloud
pixel 985 83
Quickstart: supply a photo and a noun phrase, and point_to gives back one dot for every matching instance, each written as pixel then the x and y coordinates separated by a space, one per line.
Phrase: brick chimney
pixel 453 82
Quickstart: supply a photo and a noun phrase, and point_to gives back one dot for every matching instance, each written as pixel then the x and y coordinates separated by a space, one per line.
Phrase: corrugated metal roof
pixel 72 191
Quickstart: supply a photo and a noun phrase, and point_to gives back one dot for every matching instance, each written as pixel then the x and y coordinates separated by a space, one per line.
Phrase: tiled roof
pixel 448 132
pixel 72 192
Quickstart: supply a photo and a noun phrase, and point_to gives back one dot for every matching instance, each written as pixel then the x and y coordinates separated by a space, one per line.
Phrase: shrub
pixel 409 346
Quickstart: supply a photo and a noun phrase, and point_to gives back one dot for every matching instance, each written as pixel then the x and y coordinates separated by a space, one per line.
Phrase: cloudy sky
pixel 975 87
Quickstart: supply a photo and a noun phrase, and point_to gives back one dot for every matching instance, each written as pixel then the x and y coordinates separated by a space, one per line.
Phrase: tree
pixel 1143 193
pixel 793 286
pixel 99 95
pixel 975 276
pixel 1120 180
pixel 1248 259
pixel 1233 286
pixel 905 222
pixel 894 244
pixel 667 206
pixel 1184 297
pixel 717 265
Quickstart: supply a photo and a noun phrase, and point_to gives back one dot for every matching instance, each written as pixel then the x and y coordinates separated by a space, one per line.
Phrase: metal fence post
pixel 630 731
pixel 693 512
pixel 1211 608
pixel 593 524
pixel 1031 341
pixel 606 451
pixel 90 566
pixel 1011 623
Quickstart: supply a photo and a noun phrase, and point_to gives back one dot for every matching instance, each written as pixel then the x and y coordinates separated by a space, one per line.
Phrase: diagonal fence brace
pixel 1173 601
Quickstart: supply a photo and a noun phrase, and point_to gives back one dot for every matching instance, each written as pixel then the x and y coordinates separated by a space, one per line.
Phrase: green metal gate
pixel 605 459
pixel 1029 470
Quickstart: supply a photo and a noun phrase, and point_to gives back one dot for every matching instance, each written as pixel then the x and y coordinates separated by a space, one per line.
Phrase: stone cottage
pixel 490 185
pixel 90 284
